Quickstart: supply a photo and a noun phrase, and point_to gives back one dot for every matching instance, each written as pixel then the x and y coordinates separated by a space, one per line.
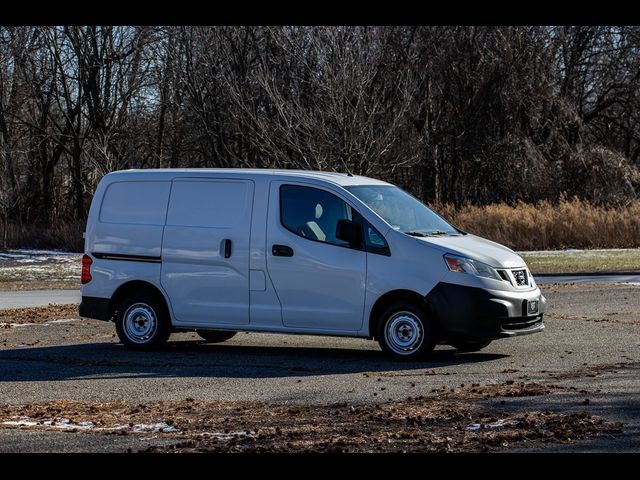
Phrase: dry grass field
pixel 547 226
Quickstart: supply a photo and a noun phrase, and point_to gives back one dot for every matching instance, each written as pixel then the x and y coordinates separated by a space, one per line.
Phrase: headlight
pixel 466 265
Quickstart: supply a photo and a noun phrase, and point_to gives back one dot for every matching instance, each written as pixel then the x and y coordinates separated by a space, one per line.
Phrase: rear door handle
pixel 281 251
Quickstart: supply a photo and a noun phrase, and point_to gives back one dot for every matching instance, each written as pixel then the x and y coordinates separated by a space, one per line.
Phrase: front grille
pixel 521 277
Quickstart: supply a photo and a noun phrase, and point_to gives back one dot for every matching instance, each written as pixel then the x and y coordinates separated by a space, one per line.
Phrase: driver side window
pixel 313 213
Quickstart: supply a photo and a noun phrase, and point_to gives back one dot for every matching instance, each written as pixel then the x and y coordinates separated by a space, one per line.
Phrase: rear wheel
pixel 405 332
pixel 215 336
pixel 470 346
pixel 142 322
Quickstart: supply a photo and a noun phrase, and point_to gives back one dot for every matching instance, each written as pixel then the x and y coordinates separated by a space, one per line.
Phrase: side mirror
pixel 350 232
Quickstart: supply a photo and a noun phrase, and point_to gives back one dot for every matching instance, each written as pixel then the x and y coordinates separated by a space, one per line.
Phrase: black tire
pixel 216 336
pixel 470 346
pixel 395 328
pixel 142 322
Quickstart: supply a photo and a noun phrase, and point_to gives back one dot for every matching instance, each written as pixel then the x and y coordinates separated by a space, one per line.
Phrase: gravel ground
pixel 566 389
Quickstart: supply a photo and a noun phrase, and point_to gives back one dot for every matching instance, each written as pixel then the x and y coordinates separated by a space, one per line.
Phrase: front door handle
pixel 281 251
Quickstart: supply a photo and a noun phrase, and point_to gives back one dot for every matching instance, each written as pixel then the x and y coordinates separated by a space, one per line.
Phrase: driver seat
pixel 311 229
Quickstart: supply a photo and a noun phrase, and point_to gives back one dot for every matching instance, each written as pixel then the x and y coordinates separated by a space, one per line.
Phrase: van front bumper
pixel 471 313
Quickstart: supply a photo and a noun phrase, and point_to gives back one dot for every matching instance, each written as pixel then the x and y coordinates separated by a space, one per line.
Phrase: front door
pixel 319 280
pixel 205 251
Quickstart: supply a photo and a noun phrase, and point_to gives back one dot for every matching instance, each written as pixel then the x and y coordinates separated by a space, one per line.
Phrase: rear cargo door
pixel 205 251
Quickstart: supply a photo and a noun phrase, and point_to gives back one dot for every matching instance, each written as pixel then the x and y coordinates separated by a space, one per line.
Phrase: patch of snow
pixel 66 424
pixel 66 320
pixel 62 423
pixel 227 436
pixel 30 251
pixel 23 423
pixel 154 427
pixel 39 265
pixel 473 427
pixel 499 424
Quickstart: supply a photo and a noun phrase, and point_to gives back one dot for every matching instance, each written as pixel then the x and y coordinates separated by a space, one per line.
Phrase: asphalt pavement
pixel 38 298
pixel 591 343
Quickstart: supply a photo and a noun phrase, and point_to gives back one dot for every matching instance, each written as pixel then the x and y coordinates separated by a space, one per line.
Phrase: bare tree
pixel 454 114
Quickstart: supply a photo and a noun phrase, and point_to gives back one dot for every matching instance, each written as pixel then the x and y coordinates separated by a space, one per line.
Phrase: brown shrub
pixel 570 223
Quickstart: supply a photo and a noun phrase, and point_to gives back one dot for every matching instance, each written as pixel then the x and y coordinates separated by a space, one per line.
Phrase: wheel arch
pixel 137 287
pixel 388 299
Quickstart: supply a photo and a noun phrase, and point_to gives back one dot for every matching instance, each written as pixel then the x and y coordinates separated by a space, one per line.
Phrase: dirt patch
pixel 10 316
pixel 559 287
pixel 511 388
pixel 412 426
pixel 421 424
pixel 619 321
pixel 564 316
pixel 587 371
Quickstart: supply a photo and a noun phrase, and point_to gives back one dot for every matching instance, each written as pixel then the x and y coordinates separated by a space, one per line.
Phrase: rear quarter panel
pixel 109 235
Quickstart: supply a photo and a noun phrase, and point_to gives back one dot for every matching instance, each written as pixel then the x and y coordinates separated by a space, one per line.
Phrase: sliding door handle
pixel 282 251
pixel 227 247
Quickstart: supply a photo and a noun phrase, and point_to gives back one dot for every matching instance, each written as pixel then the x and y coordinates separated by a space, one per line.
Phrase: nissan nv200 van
pixel 218 251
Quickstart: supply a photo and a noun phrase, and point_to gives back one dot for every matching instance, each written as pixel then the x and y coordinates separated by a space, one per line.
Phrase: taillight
pixel 86 269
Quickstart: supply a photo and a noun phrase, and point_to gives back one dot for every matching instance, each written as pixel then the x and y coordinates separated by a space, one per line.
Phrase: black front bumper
pixel 94 307
pixel 469 313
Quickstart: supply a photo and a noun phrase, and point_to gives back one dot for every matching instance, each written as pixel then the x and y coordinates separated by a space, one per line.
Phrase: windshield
pixel 402 211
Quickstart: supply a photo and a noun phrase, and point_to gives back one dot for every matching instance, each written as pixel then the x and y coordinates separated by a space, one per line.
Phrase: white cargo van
pixel 219 251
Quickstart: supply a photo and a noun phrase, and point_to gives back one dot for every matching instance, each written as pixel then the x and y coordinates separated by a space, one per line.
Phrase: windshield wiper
pixel 432 233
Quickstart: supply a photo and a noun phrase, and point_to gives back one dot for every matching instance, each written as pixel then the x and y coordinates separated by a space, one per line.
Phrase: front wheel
pixel 405 332
pixel 142 322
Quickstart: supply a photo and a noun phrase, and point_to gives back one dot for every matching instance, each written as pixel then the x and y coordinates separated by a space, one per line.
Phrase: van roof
pixel 342 179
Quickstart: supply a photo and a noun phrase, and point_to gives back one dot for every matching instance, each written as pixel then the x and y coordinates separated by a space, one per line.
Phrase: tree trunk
pixel 78 186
